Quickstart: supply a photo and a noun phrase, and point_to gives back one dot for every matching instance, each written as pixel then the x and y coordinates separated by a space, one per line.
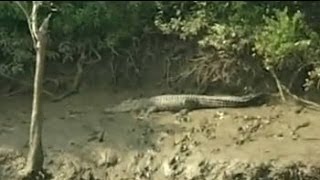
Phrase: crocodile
pixel 175 103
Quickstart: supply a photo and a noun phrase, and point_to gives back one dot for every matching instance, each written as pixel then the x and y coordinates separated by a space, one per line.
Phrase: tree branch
pixel 34 17
pixel 45 24
pixel 278 84
pixel 28 20
pixel 301 100
pixel 93 50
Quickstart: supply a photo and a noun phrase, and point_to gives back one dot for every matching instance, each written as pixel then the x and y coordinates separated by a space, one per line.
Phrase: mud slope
pixel 268 142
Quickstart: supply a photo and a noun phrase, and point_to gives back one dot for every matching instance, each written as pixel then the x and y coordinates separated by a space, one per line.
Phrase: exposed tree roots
pixel 303 101
pixel 78 76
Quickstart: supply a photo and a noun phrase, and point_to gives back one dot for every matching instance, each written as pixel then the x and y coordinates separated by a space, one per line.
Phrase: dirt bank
pixel 268 142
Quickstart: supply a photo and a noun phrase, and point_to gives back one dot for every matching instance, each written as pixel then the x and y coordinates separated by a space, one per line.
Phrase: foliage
pixel 224 30
pixel 79 28
pixel 286 42
pixel 232 33
pixel 15 42
pixel 234 39
pixel 98 25
pixel 282 37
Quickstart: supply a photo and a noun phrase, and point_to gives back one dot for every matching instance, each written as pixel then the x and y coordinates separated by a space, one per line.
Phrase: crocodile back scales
pixel 172 102
pixel 176 102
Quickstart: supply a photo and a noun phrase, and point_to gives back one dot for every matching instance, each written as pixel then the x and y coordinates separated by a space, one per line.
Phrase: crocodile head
pixel 130 105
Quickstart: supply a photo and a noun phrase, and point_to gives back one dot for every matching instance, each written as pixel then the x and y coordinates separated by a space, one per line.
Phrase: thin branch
pixel 301 100
pixel 22 8
pixel 96 60
pixel 112 49
pixel 45 24
pixel 28 20
pixel 34 22
pixel 278 84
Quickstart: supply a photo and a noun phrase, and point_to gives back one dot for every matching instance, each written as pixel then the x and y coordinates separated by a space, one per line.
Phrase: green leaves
pixel 214 24
pixel 282 36
pixel 236 31
pixel 276 33
pixel 97 21
pixel 82 25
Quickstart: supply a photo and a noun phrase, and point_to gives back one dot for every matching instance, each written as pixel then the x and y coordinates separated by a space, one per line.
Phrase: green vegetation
pixel 234 44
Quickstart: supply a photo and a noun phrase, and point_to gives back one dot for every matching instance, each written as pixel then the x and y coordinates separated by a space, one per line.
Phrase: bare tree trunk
pixel 35 158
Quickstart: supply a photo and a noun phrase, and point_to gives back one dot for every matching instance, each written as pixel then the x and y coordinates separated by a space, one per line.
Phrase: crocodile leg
pixel 145 114
pixel 189 105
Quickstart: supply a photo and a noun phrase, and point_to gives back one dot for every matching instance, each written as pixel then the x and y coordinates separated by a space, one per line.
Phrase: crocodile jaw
pixel 130 105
